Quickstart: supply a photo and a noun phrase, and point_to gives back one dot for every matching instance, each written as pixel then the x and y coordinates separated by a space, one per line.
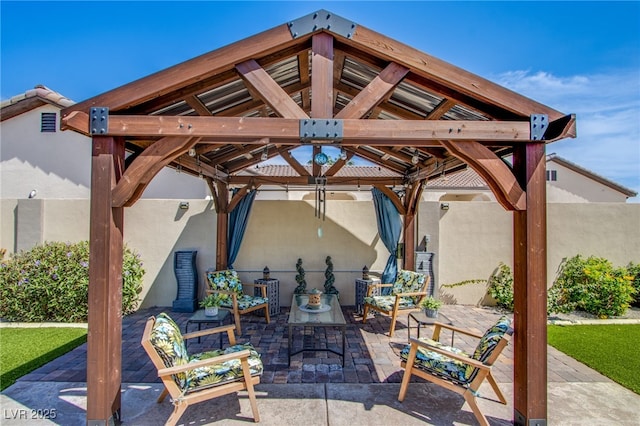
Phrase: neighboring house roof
pixel 591 175
pixel 31 99
pixel 284 170
pixel 464 179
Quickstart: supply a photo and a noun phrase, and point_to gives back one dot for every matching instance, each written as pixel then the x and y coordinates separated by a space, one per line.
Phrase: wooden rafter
pixel 338 165
pixel 299 168
pixel 322 76
pixel 270 92
pixel 375 159
pixel 138 175
pixel 440 109
pixel 375 92
pixel 197 105
pixel 493 170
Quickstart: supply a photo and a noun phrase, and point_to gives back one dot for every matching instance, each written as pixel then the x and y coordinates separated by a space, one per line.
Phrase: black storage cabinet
pixel 184 267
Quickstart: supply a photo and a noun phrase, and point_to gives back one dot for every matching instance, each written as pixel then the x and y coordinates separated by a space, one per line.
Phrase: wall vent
pixel 48 122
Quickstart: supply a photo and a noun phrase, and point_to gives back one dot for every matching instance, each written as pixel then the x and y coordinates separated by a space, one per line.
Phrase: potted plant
pixel 211 303
pixel 430 306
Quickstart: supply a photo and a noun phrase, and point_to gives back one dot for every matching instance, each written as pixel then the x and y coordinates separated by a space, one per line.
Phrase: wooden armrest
pixel 203 363
pixel 211 290
pixel 208 331
pixel 372 286
pixel 458 330
pixel 466 359
pixel 414 293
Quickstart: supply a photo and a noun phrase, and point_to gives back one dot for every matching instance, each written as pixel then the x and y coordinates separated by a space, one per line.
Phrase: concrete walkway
pixel 315 389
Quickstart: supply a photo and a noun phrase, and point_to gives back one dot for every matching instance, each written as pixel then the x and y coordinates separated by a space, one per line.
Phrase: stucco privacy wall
pixel 469 239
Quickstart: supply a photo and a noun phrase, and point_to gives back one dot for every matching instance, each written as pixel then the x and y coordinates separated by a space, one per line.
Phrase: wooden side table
pixel 422 319
pixel 273 293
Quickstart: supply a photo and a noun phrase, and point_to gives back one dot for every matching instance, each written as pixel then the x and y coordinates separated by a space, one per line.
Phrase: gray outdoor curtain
pixel 238 219
pixel 389 228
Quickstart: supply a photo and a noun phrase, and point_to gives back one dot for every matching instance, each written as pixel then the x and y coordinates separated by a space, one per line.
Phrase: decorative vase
pixel 211 311
pixel 431 313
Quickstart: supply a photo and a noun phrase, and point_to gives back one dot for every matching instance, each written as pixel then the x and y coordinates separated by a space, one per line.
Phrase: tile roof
pixel 43 93
pixel 284 170
pixel 466 178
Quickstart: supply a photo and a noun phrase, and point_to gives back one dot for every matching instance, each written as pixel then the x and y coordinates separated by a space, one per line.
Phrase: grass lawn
pixel 611 350
pixel 22 350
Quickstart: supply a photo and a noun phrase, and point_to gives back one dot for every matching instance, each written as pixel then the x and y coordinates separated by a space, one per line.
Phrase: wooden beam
pixel 322 75
pixel 243 130
pixel 493 170
pixel 441 109
pixel 397 202
pixel 375 92
pixel 146 165
pixel 303 72
pixel 335 168
pixel 448 75
pixel 299 168
pixel 308 180
pixel 197 105
pixel 269 91
pixel 104 339
pixel 530 288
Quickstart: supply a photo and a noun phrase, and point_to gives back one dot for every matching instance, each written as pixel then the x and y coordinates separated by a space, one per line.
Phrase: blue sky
pixel 577 57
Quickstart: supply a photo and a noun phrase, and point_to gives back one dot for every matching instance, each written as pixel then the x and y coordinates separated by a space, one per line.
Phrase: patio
pixel 363 392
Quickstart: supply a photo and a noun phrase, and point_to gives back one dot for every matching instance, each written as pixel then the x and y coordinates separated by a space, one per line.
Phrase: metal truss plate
pixel 99 121
pixel 312 129
pixel 322 20
pixel 539 125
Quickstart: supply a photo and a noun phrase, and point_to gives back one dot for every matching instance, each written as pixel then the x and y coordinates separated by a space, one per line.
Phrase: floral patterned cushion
pixel 408 282
pixel 223 372
pixel 245 301
pixel 167 340
pixel 441 365
pixel 228 280
pixel 490 339
pixel 386 302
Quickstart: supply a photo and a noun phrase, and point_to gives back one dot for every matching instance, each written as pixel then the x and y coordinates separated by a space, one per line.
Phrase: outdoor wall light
pixel 184 205
pixel 444 206
pixel 192 152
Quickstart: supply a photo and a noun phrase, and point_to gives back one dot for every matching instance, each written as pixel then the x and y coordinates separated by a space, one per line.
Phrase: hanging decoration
pixel 321 188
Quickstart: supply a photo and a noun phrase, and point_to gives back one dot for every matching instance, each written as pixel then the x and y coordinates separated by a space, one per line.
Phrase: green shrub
pixel 592 285
pixel 501 286
pixel 633 270
pixel 50 283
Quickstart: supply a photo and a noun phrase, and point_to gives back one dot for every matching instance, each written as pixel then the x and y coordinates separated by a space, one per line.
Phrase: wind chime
pixel 321 188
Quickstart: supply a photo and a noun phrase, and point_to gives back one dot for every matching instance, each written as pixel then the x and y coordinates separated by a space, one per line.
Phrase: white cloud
pixel 607 108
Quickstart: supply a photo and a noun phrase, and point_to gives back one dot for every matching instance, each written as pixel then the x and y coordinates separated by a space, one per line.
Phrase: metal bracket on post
pixel 322 20
pixel 320 130
pixel 539 125
pixel 99 121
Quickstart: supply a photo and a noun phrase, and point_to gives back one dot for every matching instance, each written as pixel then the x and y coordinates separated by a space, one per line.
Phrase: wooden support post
pixel 104 340
pixel 530 289
pixel 222 213
pixel 409 240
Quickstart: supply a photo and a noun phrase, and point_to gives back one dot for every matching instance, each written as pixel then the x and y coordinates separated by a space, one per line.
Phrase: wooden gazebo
pixel 318 80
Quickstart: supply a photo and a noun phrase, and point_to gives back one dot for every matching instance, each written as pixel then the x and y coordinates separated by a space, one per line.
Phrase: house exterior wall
pixel 469 240
pixel 573 187
pixel 58 164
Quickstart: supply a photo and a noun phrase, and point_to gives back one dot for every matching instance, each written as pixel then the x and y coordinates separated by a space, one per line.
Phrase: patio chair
pixel 228 284
pixel 407 292
pixel 454 369
pixel 190 379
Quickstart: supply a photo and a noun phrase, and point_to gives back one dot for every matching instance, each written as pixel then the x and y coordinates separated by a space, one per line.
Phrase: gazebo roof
pixel 255 98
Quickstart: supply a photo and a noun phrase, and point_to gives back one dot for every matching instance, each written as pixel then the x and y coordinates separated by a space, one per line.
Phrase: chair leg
pixel 163 395
pixel 406 378
pixel 178 411
pixel 496 389
pixel 236 316
pixel 250 390
pixel 364 314
pixel 394 315
pixel 266 314
pixel 471 400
